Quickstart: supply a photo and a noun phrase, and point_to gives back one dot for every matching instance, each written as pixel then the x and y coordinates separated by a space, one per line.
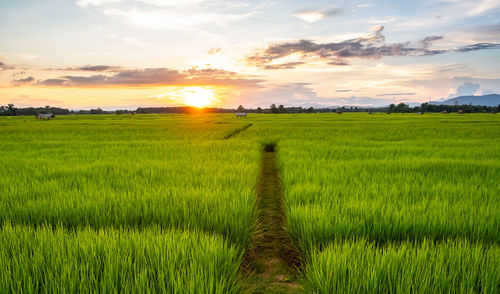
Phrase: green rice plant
pixel 400 181
pixel 140 175
pixel 392 204
pixel 53 260
pixel 453 266
pixel 161 203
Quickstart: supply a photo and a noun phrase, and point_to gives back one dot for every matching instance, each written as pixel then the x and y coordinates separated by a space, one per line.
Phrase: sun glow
pixel 197 96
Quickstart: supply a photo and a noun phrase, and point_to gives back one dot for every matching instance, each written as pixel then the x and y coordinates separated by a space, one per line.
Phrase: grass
pixel 370 199
pixel 133 178
pixel 162 203
pixel 153 203
pixel 52 260
pixel 452 266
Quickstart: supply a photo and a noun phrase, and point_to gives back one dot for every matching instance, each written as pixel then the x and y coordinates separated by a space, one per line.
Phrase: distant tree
pixel 310 109
pixel 96 111
pixel 281 108
pixel 392 107
pixel 259 110
pixel 240 109
pixel 274 109
pixel 402 108
pixel 11 109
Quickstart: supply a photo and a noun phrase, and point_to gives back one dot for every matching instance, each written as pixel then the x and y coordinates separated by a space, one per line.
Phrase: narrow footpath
pixel 270 262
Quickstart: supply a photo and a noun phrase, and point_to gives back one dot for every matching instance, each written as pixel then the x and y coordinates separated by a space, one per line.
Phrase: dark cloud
pixel 427 41
pixel 343 90
pixel 478 46
pixel 90 68
pixel 148 76
pixel 52 82
pixel 156 76
pixel 24 81
pixel 338 63
pixel 397 94
pixel 369 47
pixel 95 68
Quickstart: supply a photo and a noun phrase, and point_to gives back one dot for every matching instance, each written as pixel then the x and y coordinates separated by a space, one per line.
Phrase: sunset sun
pixel 198 96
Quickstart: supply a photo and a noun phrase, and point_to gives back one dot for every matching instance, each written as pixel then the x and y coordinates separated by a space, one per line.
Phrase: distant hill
pixel 488 100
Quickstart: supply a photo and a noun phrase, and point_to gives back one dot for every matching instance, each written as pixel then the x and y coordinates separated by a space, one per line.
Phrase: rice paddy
pixel 167 203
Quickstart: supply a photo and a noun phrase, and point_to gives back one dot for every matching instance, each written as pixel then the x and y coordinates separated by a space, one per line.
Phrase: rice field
pixel 124 204
pixel 391 204
pixel 166 203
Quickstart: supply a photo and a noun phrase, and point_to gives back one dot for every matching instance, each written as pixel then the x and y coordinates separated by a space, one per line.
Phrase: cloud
pixel 4 66
pixel 287 65
pixel 214 51
pixel 466 89
pixel 427 41
pixel 483 6
pixel 315 15
pixel 397 94
pixel 24 81
pixel 156 76
pixel 480 34
pixel 85 3
pixel 168 14
pixel 478 46
pixel 300 94
pixel 94 68
pixel 343 90
pixel 364 5
pixel 368 47
pixel 148 76
pixel 52 82
pixel 219 77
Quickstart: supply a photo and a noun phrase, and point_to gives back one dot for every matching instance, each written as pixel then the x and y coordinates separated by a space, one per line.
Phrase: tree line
pixel 392 108
pixel 11 110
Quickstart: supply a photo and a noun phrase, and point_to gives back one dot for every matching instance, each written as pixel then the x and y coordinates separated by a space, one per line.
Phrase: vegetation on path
pixel 271 260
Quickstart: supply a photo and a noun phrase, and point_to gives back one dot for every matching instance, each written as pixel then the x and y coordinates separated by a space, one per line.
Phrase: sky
pixel 123 54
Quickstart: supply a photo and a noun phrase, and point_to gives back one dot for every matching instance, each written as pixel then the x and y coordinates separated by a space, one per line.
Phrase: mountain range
pixel 488 100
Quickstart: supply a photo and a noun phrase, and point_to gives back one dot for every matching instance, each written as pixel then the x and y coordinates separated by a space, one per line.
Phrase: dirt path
pixel 237 131
pixel 270 263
